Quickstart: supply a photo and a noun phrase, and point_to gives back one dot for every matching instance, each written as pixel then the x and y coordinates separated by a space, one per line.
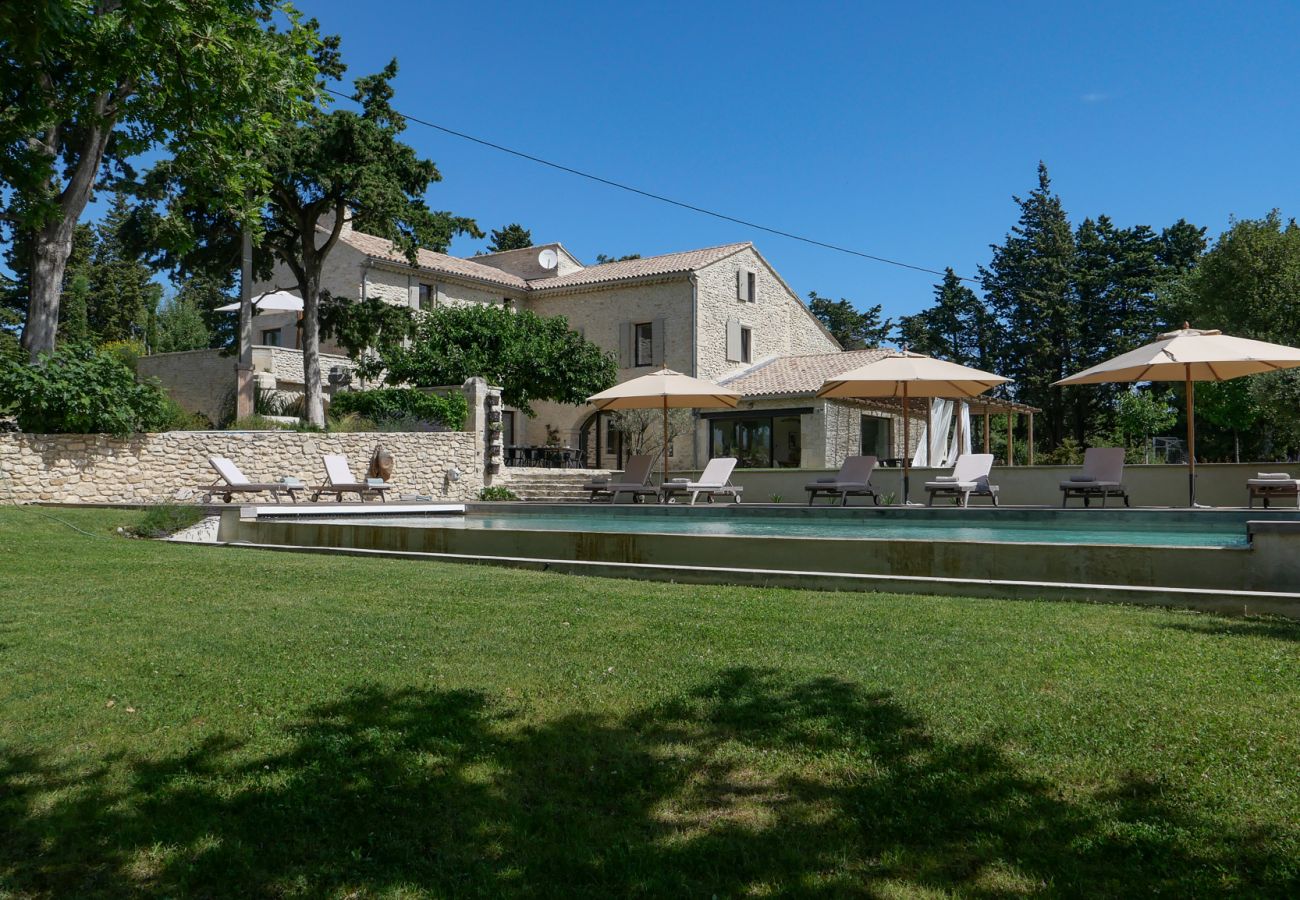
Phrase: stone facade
pixel 159 468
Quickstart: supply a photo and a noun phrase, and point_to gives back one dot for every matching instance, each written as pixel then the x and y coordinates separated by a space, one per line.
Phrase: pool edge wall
pixel 1270 564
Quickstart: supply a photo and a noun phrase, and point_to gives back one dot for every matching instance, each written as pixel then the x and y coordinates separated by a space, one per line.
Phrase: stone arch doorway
pixel 599 446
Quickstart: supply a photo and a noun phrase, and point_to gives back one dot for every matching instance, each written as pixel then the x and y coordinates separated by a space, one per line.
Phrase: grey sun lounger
pixel 1269 485
pixel 852 480
pixel 341 481
pixel 1102 476
pixel 634 482
pixel 715 481
pixel 969 476
pixel 230 481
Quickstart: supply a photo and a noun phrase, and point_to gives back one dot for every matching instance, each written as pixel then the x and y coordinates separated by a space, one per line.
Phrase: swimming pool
pixel 1225 560
pixel 1206 532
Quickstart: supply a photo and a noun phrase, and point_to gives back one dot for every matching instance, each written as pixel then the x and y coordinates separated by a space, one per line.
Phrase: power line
pixel 661 198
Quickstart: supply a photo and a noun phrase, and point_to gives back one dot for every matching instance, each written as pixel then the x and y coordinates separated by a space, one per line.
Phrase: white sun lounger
pixel 341 481
pixel 231 481
pixel 1102 476
pixel 635 481
pixel 715 481
pixel 1268 485
pixel 969 476
pixel 852 480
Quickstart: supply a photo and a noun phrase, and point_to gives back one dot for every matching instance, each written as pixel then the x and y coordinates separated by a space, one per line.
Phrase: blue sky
pixel 897 130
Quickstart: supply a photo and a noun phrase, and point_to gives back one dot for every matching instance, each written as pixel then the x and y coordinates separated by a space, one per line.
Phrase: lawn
pixel 189 720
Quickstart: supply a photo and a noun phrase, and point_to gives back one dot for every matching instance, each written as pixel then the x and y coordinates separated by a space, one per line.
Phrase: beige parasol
pixel 906 375
pixel 1190 355
pixel 664 389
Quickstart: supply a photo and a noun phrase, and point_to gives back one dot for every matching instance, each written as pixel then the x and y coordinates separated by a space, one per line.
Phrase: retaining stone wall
pixel 152 468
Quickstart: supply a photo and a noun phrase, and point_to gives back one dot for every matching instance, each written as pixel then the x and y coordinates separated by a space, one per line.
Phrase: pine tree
pixel 180 324
pixel 1029 284
pixel 855 329
pixel 122 293
pixel 512 237
pixel 958 327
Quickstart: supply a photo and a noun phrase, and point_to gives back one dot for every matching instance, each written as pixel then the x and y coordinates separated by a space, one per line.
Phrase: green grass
pixel 179 720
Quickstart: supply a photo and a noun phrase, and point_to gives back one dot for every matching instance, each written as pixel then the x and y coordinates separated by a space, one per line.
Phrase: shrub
pixel 80 390
pixel 496 492
pixel 165 519
pixel 402 404
pixel 129 352
pixel 257 422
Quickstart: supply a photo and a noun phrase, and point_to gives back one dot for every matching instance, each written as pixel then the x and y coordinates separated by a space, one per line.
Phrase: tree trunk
pixel 313 401
pixel 51 247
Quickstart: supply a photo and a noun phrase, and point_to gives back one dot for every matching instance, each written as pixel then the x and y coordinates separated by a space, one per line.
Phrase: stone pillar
pixel 484 422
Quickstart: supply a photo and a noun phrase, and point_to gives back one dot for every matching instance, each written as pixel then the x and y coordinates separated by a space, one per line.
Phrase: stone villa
pixel 722 313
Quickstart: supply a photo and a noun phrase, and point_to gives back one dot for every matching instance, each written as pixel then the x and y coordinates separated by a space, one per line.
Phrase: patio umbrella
pixel 1190 355
pixel 664 389
pixel 904 375
pixel 271 301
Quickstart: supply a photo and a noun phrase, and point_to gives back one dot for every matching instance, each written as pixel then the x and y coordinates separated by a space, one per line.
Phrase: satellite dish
pixel 548 259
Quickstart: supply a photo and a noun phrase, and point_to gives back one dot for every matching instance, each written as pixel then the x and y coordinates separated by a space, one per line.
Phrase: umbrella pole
pixel 1191 440
pixel 906 439
pixel 665 439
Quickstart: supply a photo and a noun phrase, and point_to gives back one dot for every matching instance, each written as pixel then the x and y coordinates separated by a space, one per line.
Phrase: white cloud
pixel 1096 97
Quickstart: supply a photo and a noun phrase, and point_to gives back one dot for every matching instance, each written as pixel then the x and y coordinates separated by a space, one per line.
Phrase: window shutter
pixel 625 344
pixel 742 285
pixel 733 339
pixel 657 342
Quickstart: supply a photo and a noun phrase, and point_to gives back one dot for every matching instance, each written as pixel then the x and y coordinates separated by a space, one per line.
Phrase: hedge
pixel 403 404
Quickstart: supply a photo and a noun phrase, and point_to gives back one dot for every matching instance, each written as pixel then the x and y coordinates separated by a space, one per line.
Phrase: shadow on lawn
pixel 1277 629
pixel 749 782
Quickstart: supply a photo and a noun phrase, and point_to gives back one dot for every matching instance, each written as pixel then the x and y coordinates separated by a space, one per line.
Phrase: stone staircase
pixel 551 485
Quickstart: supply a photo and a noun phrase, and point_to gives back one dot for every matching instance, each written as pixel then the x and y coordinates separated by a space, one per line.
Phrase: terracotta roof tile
pixel 382 248
pixel 645 267
pixel 803 374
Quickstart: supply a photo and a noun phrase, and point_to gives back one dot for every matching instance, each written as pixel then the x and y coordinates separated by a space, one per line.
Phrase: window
pixel 759 442
pixel 746 343
pixel 643 344
pixel 612 434
pixel 508 427
pixel 428 297
pixel 751 279
pixel 270 337
pixel 875 437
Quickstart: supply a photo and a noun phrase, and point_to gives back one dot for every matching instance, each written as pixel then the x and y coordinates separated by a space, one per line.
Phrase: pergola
pixel 985 407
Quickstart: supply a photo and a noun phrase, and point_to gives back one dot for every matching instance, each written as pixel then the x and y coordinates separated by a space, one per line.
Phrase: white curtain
pixel 942 439
pixel 953 450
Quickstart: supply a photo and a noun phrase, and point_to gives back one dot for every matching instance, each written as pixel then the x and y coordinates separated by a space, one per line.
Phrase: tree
pixel 180 325
pixel 1142 415
pixel 957 327
pixel 855 329
pixel 1029 284
pixel 122 293
pixel 533 358
pixel 642 430
pixel 87 88
pixel 602 258
pixel 1230 406
pixel 367 329
pixel 512 237
pixel 337 165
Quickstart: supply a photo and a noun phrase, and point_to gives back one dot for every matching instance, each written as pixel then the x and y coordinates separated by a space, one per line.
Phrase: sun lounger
pixel 969 476
pixel 230 481
pixel 852 480
pixel 634 482
pixel 341 481
pixel 1269 485
pixel 715 481
pixel 1102 476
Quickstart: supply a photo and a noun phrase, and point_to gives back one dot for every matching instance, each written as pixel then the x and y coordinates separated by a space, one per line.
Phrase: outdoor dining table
pixel 542 456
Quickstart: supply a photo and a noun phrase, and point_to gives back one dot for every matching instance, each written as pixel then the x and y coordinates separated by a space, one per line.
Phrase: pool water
pixel 1222 533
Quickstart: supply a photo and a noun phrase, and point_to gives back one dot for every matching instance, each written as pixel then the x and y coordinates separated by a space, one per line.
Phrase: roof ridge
pixel 671 253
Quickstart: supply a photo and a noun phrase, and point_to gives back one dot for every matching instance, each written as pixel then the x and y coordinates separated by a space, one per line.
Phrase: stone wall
pixel 199 380
pixel 152 468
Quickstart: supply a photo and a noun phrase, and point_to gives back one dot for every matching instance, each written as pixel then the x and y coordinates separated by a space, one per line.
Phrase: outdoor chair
pixel 969 476
pixel 231 481
pixel 341 481
pixel 1269 485
pixel 852 480
pixel 1102 476
pixel 715 481
pixel 635 482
